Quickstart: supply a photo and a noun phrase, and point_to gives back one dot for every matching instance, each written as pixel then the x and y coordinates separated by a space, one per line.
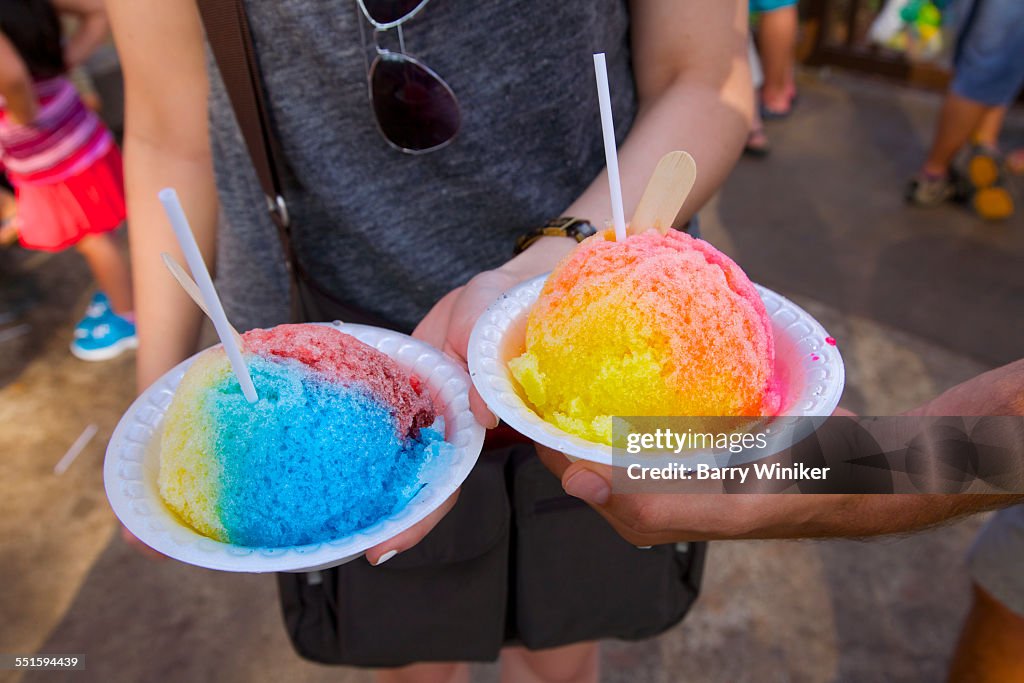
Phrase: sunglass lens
pixel 389 11
pixel 415 109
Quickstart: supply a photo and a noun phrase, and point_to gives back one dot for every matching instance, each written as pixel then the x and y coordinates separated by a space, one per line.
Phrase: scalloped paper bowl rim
pixel 802 335
pixel 132 459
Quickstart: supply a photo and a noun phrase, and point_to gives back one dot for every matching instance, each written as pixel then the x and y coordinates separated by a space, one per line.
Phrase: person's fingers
pixel 480 410
pixel 465 306
pixel 556 461
pixel 643 518
pixel 477 405
pixel 590 482
pixel 474 298
pixel 433 329
pixel 460 325
pixel 140 547
pixel 382 552
pixel 642 539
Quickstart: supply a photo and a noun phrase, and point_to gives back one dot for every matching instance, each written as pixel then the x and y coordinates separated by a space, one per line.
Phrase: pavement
pixel 918 299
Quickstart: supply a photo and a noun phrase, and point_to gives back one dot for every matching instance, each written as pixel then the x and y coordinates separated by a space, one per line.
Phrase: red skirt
pixel 55 216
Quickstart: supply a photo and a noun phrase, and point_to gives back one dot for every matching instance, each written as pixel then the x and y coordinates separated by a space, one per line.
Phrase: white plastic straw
pixel 76 449
pixel 187 241
pixel 15 332
pixel 611 156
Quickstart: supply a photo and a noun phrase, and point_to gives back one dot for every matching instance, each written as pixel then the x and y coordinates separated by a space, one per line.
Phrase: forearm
pixel 692 116
pixel 167 321
pixel 91 33
pixel 20 101
pixel 701 109
pixel 167 144
pixel 705 514
pixel 863 516
pixel 996 392
pixel 711 125
pixel 16 85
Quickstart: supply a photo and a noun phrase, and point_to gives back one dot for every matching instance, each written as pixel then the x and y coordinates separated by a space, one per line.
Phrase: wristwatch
pixel 564 226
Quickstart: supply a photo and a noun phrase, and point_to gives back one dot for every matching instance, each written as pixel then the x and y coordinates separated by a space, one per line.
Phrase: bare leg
pixel 990 645
pixel 959 118
pixel 8 212
pixel 757 139
pixel 777 41
pixel 989 198
pixel 110 269
pixel 987 132
pixel 1015 161
pixel 439 672
pixel 8 205
pixel 578 663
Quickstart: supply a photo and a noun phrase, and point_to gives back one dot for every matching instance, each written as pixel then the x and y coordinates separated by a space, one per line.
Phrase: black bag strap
pixel 230 38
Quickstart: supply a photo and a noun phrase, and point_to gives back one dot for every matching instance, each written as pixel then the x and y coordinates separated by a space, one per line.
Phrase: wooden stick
pixel 192 289
pixel 666 191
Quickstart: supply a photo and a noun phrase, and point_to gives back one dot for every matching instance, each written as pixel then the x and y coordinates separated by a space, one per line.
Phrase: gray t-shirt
pixel 394 232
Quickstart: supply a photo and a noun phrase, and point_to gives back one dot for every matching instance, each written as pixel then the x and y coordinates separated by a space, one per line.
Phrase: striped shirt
pixel 64 140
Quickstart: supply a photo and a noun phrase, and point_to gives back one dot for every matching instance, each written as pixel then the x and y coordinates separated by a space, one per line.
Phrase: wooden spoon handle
pixel 668 188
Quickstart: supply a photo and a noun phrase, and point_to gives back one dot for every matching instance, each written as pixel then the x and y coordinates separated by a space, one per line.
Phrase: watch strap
pixel 578 229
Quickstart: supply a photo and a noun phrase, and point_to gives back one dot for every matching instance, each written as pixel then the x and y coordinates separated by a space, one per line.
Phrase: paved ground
pixel 918 300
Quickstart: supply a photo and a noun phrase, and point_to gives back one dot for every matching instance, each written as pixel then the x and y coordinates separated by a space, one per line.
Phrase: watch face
pixel 582 230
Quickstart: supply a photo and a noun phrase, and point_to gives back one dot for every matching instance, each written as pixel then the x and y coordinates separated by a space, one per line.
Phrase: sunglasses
pixel 416 111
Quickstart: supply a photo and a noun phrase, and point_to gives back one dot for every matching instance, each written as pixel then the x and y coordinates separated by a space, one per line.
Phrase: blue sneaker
pixel 106 337
pixel 98 307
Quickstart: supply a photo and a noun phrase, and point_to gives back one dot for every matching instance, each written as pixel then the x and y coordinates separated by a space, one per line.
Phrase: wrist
pixel 800 516
pixel 578 229
pixel 539 258
pixel 540 249
pixel 866 515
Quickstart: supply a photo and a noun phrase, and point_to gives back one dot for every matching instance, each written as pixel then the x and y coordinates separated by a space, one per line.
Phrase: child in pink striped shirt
pixel 64 166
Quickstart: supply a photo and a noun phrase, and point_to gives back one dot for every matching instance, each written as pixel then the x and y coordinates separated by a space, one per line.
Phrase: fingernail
pixel 588 486
pixel 385 557
pixel 494 422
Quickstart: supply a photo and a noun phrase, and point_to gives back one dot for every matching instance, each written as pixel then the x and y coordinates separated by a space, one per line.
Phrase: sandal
pixel 990 197
pixel 768 114
pixel 1015 161
pixel 757 145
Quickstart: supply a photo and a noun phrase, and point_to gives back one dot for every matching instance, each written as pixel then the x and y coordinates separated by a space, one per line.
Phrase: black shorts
pixel 516 561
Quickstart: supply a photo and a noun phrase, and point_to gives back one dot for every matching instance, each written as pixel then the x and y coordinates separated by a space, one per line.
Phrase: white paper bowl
pixel 810 370
pixel 132 464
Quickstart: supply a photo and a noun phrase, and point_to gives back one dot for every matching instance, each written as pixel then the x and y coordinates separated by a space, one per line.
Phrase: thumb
pixel 382 552
pixel 581 481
